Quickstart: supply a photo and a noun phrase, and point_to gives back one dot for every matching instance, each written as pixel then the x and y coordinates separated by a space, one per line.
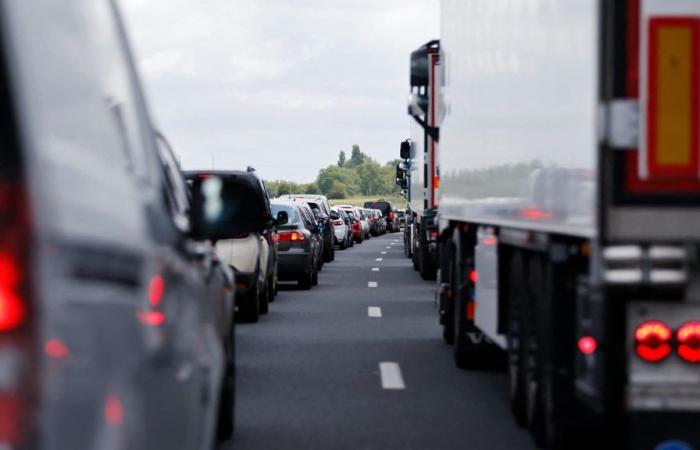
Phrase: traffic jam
pixel 536 285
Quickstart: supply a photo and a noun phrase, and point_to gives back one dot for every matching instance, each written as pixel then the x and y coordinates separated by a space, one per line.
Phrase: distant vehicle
pixel 392 223
pixel 356 222
pixel 377 222
pixel 250 253
pixel 103 297
pixel 401 214
pixel 320 202
pixel 365 220
pixel 343 230
pixel 299 243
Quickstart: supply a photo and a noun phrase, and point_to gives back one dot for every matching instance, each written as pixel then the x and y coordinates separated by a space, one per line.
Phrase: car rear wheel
pixel 249 309
pixel 314 278
pixel 306 281
pixel 264 303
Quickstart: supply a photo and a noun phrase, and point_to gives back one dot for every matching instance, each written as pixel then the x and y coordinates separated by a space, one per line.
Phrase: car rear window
pixel 290 210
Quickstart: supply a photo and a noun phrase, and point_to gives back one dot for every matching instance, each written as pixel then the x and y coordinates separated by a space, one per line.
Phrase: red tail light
pixel 12 307
pixel 473 276
pixel 653 341
pixel 291 236
pixel 156 289
pixel 688 339
pixel 338 222
pixel 587 345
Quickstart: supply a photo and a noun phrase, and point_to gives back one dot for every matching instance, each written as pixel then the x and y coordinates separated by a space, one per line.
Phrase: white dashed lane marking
pixel 383 253
pixel 375 269
pixel 379 259
pixel 372 284
pixel 391 375
pixel 374 311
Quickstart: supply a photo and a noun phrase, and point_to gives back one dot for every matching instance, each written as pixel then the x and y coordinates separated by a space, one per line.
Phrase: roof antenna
pixel 250 169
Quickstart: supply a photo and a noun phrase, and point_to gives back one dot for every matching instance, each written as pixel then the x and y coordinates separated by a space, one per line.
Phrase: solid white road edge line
pixel 391 375
pixel 372 284
pixel 374 311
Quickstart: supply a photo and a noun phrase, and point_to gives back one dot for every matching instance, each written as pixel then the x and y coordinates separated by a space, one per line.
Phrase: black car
pixel 392 220
pixel 104 304
pixel 298 243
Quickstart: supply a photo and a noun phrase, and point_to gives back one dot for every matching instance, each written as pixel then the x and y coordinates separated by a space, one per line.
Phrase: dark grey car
pixel 298 243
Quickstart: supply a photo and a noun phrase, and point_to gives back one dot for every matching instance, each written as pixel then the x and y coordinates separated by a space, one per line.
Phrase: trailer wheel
pixel 535 364
pixel 426 267
pixel 516 340
pixel 448 333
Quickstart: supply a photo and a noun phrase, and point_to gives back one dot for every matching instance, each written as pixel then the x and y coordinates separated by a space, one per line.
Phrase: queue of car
pixel 121 275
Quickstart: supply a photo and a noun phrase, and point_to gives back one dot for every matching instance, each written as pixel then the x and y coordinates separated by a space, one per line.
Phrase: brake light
pixel 587 345
pixel 653 341
pixel 338 222
pixel 473 276
pixel 12 308
pixel 688 339
pixel 156 288
pixel 114 411
pixel 151 318
pixel 291 236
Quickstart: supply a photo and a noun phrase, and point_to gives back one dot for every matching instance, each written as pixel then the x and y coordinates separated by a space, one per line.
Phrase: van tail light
pixel 653 341
pixel 18 351
pixel 291 236
pixel 688 341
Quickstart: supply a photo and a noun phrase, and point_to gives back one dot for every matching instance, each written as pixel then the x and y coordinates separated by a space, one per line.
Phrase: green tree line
pixel 357 175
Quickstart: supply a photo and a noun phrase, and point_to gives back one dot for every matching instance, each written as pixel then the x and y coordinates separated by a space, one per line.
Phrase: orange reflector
pixel 673 144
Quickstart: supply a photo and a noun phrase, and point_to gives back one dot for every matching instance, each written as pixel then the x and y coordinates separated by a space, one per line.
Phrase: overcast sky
pixel 281 85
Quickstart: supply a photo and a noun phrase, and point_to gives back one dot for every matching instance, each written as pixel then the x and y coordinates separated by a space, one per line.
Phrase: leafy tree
pixel 338 190
pixel 311 188
pixel 371 180
pixel 327 176
pixel 341 159
pixel 356 157
pixel 284 188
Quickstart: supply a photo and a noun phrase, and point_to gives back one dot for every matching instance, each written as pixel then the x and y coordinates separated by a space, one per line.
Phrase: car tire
pixel 264 303
pixel 343 245
pixel 249 309
pixel 314 278
pixel 306 280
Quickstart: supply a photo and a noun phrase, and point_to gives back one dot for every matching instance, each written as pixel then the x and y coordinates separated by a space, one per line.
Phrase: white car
pixel 343 233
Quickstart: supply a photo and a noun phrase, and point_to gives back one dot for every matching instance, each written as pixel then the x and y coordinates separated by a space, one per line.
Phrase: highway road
pixel 358 363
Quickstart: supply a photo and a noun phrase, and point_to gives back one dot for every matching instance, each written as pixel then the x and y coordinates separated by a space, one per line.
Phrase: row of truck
pixel 552 180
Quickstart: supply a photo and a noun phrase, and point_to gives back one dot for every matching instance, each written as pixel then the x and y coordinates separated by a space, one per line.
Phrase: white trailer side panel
pixel 518 144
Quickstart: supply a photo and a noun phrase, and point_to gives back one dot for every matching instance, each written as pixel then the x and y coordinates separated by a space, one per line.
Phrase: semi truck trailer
pixel 569 215
pixel 420 153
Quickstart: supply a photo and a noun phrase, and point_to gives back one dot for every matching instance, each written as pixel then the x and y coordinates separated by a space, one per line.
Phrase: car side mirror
pixel 405 151
pixel 223 209
pixel 282 218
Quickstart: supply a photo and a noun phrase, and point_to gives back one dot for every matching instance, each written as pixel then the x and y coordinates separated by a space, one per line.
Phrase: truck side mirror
pixel 405 150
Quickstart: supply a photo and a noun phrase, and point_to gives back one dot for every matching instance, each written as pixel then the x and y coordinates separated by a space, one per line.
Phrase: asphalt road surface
pixel 322 371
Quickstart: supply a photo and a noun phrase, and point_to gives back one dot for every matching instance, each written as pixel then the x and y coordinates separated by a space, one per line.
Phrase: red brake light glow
pixel 114 411
pixel 156 288
pixel 473 276
pixel 56 349
pixel 151 318
pixel 12 308
pixel 652 341
pixel 587 345
pixel 688 339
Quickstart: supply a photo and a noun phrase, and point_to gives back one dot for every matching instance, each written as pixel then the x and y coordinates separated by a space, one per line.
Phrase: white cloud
pixel 281 85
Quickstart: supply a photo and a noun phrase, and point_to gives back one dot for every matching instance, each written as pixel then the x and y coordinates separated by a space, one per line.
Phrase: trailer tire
pixel 426 267
pixel 535 363
pixel 448 333
pixel 516 341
